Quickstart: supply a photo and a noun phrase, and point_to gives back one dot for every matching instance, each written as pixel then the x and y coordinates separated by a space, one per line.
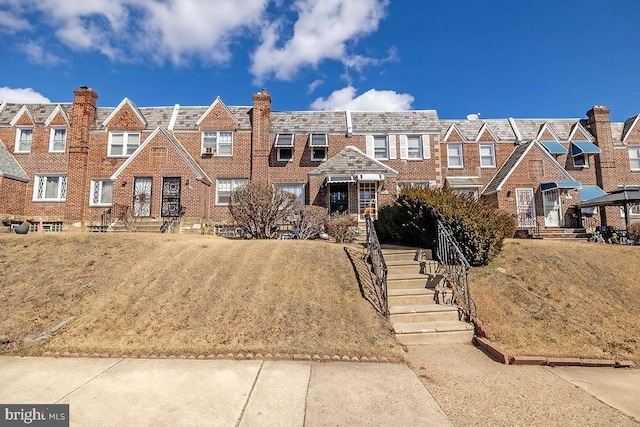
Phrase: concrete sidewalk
pixel 170 392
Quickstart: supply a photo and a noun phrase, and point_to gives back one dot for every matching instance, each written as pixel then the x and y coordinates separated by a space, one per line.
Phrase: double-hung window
pixel 224 187
pixel 219 143
pixel 454 156
pixel 101 192
pixel 23 140
pixel 284 144
pixel 50 188
pixel 297 189
pixel 380 147
pixel 487 156
pixel 634 158
pixel 414 147
pixel 318 142
pixel 58 140
pixel 123 144
pixel 581 161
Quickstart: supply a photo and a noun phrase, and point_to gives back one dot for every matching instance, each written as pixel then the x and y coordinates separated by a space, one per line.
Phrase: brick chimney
pixel 82 117
pixel 599 122
pixel 260 139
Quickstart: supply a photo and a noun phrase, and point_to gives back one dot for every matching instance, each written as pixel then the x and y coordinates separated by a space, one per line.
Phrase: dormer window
pixel 23 140
pixel 318 142
pixel 219 143
pixel 58 140
pixel 284 144
pixel 123 144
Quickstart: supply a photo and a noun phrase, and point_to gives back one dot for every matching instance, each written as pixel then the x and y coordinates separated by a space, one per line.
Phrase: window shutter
pixel 369 141
pixel 426 151
pixel 404 150
pixel 392 147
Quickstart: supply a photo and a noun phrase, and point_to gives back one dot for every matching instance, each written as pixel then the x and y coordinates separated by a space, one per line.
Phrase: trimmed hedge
pixel 478 228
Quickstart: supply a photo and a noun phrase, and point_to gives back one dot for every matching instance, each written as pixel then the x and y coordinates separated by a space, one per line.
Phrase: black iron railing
pixel 114 213
pixel 378 264
pixel 457 267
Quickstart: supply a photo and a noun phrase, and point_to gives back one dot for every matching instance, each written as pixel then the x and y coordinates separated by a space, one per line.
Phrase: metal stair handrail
pixel 378 263
pixel 457 267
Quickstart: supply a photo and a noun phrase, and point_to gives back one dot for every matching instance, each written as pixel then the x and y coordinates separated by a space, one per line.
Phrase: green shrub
pixel 478 229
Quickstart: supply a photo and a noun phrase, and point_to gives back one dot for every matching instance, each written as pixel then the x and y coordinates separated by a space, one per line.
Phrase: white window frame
pixel 491 156
pixel 585 161
pixel 223 140
pixel 40 187
pixel 318 150
pixel 414 147
pixel 377 149
pixel 298 189
pixel 98 189
pixel 282 158
pixel 634 157
pixel 126 146
pixel 19 132
pixel 451 156
pixel 229 184
pixel 318 144
pixel 52 140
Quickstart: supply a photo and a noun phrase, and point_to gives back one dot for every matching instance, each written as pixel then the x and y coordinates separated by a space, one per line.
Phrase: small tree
pixel 258 206
pixel 343 227
pixel 308 223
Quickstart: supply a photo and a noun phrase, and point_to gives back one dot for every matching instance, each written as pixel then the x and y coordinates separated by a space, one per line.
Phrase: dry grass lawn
pixel 145 294
pixel 562 298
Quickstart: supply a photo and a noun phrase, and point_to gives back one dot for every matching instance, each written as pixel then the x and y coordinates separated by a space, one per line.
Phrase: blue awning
pixel 588 192
pixel 583 147
pixel 554 147
pixel 559 184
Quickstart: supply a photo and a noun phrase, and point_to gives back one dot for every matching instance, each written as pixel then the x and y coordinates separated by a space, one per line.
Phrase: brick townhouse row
pixel 65 164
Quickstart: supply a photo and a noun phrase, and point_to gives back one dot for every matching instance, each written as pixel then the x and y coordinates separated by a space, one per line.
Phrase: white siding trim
pixel 404 149
pixel 392 147
pixel 426 149
pixel 369 142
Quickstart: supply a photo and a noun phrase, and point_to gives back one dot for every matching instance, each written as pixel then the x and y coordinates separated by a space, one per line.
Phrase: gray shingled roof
pixel 9 167
pixel 309 122
pixel 470 128
pixel 499 177
pixel 349 161
pixel 419 121
pixel 617 130
pixel 39 112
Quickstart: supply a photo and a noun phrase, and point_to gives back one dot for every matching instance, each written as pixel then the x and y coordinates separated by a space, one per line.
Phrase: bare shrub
pixel 258 206
pixel 343 227
pixel 309 222
pixel 634 232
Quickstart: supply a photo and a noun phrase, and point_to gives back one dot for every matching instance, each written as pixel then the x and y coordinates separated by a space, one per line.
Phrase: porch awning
pixel 554 147
pixel 340 179
pixel 545 186
pixel 588 192
pixel 463 181
pixel 370 177
pixel 583 147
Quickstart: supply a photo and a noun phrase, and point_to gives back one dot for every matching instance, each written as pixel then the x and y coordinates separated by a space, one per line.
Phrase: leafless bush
pixel 309 222
pixel 257 207
pixel 343 227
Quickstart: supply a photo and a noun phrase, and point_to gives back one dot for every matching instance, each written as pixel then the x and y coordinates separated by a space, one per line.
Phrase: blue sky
pixel 499 58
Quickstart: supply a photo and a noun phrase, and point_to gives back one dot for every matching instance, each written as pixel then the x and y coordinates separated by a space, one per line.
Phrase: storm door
pixel 526 207
pixel 338 197
pixel 171 197
pixel 552 209
pixel 142 197
pixel 367 200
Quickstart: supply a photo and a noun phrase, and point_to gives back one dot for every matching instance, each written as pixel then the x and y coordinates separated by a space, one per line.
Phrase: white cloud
pixel 321 32
pixel 38 54
pixel 314 85
pixel 22 96
pixel 10 20
pixel 372 100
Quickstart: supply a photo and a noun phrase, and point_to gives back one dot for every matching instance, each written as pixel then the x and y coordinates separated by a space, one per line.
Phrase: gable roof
pixel 486 128
pixel 9 167
pixel 350 161
pixel 56 110
pixel 629 124
pixel 514 160
pixel 547 128
pixel 578 128
pixel 23 110
pixel 200 174
pixel 213 105
pixel 126 101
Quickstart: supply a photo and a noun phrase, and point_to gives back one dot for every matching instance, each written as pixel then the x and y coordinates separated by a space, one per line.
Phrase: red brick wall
pixel 12 196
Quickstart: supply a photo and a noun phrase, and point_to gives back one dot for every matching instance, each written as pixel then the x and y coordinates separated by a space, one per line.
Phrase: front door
pixel 142 197
pixel 171 197
pixel 552 209
pixel 367 201
pixel 526 207
pixel 338 197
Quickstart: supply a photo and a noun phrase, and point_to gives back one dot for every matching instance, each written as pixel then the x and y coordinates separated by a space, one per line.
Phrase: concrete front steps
pixel 564 233
pixel 415 315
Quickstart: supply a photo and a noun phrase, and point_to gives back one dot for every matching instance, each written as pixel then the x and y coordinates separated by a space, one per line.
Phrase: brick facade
pixel 493 159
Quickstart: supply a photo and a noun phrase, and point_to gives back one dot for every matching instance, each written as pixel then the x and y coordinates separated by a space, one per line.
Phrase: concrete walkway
pixel 141 392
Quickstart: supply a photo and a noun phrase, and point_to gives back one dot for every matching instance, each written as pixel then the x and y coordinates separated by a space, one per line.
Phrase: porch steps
pixel 564 233
pixel 143 225
pixel 414 312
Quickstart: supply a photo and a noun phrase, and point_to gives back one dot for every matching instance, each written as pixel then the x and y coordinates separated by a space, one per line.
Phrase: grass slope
pixel 179 294
pixel 562 298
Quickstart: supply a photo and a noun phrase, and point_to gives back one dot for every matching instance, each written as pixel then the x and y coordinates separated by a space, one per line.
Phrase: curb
pixel 502 357
pixel 230 356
